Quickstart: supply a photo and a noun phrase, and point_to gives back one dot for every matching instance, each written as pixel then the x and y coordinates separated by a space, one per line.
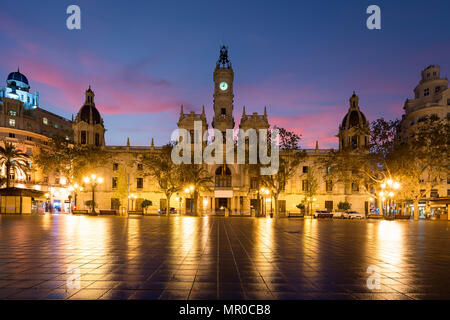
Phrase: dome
pixel 18 78
pixel 355 117
pixel 85 114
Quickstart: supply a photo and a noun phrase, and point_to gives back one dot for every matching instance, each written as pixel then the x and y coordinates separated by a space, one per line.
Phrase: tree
pixel 301 207
pixel 343 206
pixel 145 204
pixel 197 176
pixel 311 188
pixel 420 161
pixel 15 161
pixel 289 159
pixel 60 157
pixel 159 165
pixel 90 204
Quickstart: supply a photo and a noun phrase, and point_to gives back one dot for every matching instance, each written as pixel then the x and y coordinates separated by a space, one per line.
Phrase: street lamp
pixel 131 196
pixel 388 189
pixel 93 180
pixel 189 190
pixel 180 200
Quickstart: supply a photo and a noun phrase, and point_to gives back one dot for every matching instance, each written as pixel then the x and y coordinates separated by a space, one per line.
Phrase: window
pixel 223 111
pixel 97 139
pixel 304 185
pixel 45 121
pixel 29 138
pixel 329 186
pixel 254 183
pixel 115 203
pixel 45 179
pixel 28 178
pixel 12 113
pixel 448 192
pixel 83 137
pixel 223 177
pixel 328 170
pixel 56 125
pixel 12 122
pixel 354 142
pixel 29 125
pixel 305 169
pixel 12 135
pixel 56 180
pixel 115 166
pixel 426 92
pixel 140 183
pixel 437 89
pixel 448 102
pixel 434 193
pixel 140 166
pixel 114 182
pixel 355 187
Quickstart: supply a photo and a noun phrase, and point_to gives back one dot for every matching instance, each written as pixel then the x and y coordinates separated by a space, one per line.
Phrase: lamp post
pixel 264 192
pixel 180 200
pixel 388 189
pixel 133 198
pixel 93 180
pixel 189 190
pixel 74 189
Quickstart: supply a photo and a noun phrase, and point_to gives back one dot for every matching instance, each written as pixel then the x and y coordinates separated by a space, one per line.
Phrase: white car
pixel 339 214
pixel 322 214
pixel 354 215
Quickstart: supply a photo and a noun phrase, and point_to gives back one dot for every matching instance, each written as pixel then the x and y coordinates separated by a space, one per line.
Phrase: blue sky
pixel 302 59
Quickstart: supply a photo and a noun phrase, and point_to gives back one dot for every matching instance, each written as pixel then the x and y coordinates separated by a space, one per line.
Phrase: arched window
pixel 354 142
pixel 223 177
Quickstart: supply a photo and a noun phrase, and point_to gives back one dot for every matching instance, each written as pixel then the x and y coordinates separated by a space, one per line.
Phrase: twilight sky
pixel 302 59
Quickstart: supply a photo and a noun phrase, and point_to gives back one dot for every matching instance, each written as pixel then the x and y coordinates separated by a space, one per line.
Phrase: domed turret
pixel 354 130
pixel 88 112
pixel 354 116
pixel 88 126
pixel 18 80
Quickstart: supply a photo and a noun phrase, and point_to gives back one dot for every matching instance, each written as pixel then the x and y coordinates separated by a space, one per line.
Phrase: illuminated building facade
pixel 126 185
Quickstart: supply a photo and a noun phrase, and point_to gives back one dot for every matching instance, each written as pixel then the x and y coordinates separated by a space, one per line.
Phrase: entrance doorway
pixel 329 206
pixel 222 204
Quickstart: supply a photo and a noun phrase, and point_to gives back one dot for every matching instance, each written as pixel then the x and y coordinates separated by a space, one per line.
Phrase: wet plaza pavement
pixel 80 257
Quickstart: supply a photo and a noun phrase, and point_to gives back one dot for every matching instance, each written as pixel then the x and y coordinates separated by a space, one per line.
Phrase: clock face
pixel 223 86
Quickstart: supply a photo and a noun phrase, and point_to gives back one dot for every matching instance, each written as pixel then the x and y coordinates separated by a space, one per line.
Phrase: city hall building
pixel 233 191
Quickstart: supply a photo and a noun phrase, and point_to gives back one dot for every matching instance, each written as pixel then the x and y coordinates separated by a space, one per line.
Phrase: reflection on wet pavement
pixel 78 257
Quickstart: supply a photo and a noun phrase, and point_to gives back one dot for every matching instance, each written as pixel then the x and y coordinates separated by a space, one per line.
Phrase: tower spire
pixel 224 61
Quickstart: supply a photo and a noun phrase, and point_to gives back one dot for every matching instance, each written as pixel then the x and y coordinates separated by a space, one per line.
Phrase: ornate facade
pixel 233 192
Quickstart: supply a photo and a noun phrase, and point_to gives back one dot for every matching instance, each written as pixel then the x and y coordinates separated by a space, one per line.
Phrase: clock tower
pixel 223 93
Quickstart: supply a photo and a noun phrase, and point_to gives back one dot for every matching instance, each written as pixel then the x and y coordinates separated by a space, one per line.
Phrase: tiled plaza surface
pixel 221 258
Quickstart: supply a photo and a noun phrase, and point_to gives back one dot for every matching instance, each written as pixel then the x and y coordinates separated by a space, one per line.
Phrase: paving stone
pixel 221 258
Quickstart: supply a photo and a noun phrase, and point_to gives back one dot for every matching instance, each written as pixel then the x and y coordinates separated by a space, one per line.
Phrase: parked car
pixel 339 214
pixel 354 215
pixel 322 214
pixel 163 211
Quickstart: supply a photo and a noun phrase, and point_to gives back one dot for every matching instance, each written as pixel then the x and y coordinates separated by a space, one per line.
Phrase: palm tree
pixel 14 160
